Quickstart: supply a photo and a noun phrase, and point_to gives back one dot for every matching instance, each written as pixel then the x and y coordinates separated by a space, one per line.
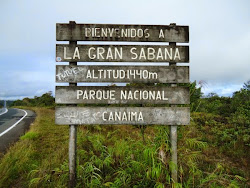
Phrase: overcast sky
pixel 219 38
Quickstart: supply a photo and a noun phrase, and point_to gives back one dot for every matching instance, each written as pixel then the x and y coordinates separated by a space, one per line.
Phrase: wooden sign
pixel 121 95
pixel 123 74
pixel 112 32
pixel 122 115
pixel 121 53
pixel 73 94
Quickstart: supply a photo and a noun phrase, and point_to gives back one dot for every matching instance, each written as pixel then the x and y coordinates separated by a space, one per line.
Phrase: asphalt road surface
pixel 13 124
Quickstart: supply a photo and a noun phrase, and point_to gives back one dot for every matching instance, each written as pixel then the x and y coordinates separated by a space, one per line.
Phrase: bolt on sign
pixel 115 73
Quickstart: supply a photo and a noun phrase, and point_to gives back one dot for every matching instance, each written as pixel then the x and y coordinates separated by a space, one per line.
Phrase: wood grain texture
pixel 122 115
pixel 122 53
pixel 121 95
pixel 123 74
pixel 112 32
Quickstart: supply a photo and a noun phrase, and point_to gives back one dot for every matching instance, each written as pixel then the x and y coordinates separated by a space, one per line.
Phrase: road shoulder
pixel 17 131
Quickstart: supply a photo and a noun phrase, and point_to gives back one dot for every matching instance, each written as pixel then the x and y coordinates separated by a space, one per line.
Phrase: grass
pixel 34 158
pixel 117 156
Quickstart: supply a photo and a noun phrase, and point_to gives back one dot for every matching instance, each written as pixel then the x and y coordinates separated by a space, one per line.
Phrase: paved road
pixel 3 111
pixel 14 124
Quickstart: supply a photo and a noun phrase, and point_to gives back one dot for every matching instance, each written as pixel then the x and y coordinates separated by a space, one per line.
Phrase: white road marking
pixel 7 130
pixel 6 110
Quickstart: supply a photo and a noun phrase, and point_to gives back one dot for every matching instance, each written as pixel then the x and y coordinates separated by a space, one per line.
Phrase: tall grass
pixel 115 156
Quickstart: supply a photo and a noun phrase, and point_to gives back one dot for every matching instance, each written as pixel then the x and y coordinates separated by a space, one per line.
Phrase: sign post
pixel 72 130
pixel 72 95
pixel 173 132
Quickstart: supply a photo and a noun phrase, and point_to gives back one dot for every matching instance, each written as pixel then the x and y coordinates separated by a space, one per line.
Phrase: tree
pixel 241 112
pixel 247 85
pixel 45 100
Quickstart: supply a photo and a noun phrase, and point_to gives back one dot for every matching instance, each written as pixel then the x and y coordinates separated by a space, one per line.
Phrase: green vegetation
pixel 116 156
pixel 8 103
pixel 212 152
pixel 233 111
pixel 45 100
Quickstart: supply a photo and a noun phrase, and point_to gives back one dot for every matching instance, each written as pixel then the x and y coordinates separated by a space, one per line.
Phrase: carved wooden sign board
pixel 115 73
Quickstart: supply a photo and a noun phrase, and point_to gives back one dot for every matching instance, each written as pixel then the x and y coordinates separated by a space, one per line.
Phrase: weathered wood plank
pixel 112 32
pixel 121 53
pixel 124 74
pixel 121 95
pixel 122 115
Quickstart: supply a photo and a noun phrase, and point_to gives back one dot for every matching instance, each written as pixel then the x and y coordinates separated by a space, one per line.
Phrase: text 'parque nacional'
pixel 121 95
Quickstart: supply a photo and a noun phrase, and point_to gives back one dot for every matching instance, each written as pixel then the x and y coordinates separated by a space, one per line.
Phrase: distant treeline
pixel 236 107
pixel 45 100
pixel 212 103
pixel 232 115
pixel 8 103
pixel 233 111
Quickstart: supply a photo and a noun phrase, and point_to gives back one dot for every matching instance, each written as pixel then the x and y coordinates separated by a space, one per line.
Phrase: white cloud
pixel 219 37
pixel 221 89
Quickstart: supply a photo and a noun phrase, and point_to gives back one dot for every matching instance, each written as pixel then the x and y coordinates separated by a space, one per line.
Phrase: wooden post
pixel 72 155
pixel 173 132
pixel 72 134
